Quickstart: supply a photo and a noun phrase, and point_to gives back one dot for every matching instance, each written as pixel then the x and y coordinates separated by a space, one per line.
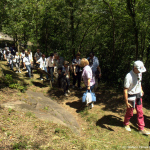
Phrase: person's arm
pixel 142 91
pixel 88 86
pixel 24 62
pixel 126 98
pixel 38 61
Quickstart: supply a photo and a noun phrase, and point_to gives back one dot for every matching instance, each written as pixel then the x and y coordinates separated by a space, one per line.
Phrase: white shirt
pixel 16 60
pixel 30 56
pixel 50 62
pixel 133 83
pixel 42 63
pixel 22 55
pixel 26 60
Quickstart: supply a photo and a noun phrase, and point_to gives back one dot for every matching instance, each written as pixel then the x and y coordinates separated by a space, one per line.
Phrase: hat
pixel 66 63
pixel 140 66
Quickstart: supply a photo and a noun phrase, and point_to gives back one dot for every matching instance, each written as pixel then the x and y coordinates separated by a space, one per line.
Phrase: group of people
pixel 86 68
pixel 58 66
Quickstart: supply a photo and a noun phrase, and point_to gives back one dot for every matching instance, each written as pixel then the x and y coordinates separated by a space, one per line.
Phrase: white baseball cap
pixel 140 66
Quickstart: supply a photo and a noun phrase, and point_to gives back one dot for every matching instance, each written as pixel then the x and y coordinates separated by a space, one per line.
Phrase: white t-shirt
pixel 30 56
pixel 133 83
pixel 26 60
pixel 42 63
pixel 17 59
pixel 50 62
pixel 22 55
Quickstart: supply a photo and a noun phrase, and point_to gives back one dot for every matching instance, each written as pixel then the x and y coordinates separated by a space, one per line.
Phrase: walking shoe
pixel 19 71
pixel 66 94
pixel 127 127
pixel 16 71
pixel 68 91
pixel 144 132
pixel 26 70
pixel 91 105
pixel 41 78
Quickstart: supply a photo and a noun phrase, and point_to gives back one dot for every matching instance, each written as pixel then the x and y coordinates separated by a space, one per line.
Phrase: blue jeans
pixel 66 88
pixel 11 65
pixel 50 71
pixel 41 75
pixel 29 70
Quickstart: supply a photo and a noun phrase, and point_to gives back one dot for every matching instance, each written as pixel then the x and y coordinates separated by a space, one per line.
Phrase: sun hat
pixel 140 66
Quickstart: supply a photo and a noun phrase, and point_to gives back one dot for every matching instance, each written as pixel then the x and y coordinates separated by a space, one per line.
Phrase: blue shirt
pixel 95 64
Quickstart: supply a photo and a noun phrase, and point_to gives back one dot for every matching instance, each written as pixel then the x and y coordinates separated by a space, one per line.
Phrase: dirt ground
pixel 101 127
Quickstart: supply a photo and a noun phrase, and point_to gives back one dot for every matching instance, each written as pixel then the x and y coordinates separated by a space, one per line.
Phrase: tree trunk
pixel 131 8
pixel 113 24
pixel 72 29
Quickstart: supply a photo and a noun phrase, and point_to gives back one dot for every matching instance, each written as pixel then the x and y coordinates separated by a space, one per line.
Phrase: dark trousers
pixel 77 77
pixel 66 88
pixel 51 71
pixel 63 82
pixel 91 87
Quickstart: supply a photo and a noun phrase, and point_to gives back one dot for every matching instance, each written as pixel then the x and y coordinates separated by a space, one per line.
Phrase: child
pixel 63 78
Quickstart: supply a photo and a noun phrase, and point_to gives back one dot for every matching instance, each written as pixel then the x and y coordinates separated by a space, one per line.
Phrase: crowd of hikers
pixel 87 69
pixel 55 65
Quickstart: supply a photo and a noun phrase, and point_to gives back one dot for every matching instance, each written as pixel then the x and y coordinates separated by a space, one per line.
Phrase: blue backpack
pixel 92 94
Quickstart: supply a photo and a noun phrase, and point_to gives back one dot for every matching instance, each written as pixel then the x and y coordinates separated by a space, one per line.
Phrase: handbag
pixel 86 98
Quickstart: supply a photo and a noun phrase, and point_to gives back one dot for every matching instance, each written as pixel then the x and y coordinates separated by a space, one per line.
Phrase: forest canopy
pixel 118 32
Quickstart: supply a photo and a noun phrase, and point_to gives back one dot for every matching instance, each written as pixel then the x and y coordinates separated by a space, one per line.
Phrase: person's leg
pixel 45 69
pixel 92 87
pixel 74 79
pixel 51 73
pixel 41 76
pixel 16 67
pixel 29 70
pixel 79 79
pixel 128 115
pixel 140 117
pixel 19 67
pixel 11 66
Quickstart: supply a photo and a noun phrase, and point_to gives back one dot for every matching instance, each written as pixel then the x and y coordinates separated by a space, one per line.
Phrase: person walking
pixel 133 93
pixel 37 56
pixel 87 76
pixel 77 71
pixel 50 66
pixel 42 62
pixel 96 70
pixel 17 62
pixel 27 63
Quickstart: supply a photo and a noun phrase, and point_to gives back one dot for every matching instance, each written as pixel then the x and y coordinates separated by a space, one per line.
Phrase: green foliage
pixel 20 145
pixel 30 114
pixel 117 34
pixel 11 83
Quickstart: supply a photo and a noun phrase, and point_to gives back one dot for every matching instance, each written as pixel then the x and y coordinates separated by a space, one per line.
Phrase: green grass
pixel 28 132
pixel 30 114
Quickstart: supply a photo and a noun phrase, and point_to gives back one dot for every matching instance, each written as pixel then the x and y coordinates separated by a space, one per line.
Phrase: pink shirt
pixel 87 74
